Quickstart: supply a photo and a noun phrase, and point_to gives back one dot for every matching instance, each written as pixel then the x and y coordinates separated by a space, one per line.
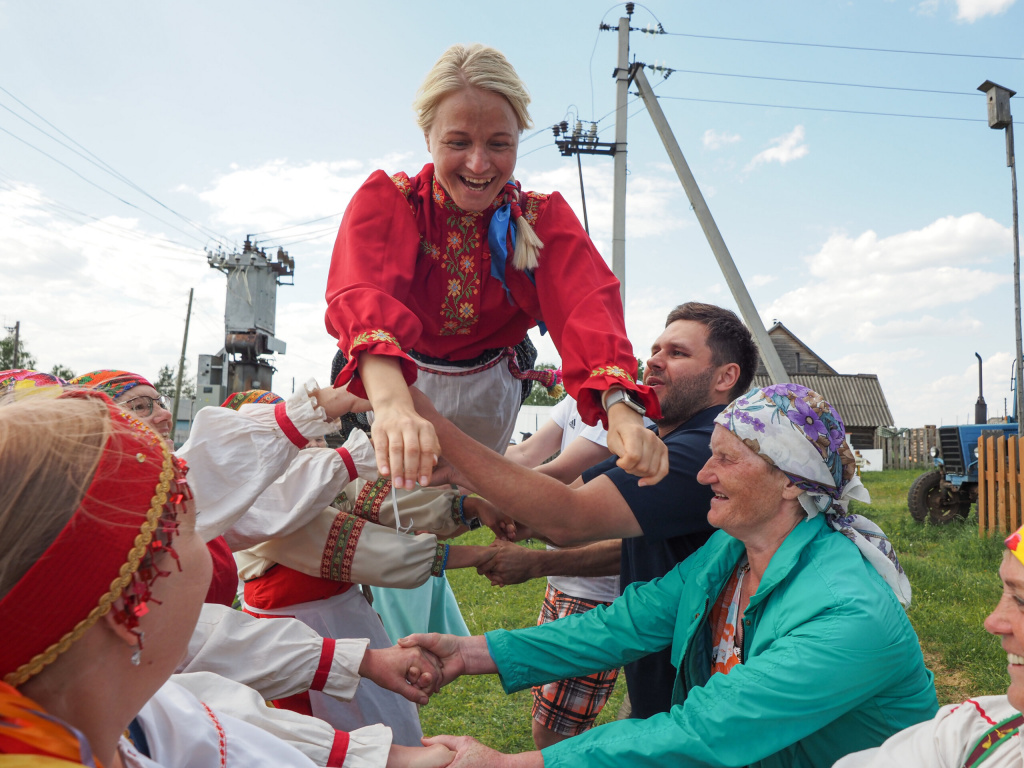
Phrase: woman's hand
pixel 434 756
pixel 458 655
pixel 339 401
pixel 470 753
pixel 408 671
pixel 404 442
pixel 640 451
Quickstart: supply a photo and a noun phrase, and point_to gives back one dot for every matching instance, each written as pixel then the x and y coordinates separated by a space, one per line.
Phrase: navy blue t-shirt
pixel 674 518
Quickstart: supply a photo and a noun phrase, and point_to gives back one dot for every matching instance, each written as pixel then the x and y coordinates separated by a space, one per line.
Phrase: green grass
pixel 955 579
pixel 953 572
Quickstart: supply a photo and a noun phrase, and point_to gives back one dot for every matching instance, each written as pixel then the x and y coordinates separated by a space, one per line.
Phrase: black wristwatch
pixel 620 395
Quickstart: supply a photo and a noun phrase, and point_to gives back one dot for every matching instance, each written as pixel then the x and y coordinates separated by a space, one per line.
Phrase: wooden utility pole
pixel 181 362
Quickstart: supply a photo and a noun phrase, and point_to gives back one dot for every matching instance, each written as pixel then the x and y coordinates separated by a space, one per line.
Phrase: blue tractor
pixel 946 492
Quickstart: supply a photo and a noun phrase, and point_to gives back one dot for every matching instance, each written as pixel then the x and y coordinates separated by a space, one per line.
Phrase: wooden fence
pixel 999 485
pixel 906 448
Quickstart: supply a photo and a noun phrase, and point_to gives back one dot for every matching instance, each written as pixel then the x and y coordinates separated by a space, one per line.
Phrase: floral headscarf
pixel 796 430
pixel 114 383
pixel 20 382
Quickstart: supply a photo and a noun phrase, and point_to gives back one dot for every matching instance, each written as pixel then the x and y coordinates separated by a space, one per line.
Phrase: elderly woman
pixel 102 578
pixel 435 276
pixel 983 729
pixel 786 628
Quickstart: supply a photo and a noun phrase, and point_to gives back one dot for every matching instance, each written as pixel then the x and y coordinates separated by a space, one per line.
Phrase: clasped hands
pixel 418 667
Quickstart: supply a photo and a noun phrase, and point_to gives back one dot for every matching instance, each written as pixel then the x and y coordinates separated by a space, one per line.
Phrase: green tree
pixel 62 372
pixel 167 379
pixel 25 359
pixel 539 394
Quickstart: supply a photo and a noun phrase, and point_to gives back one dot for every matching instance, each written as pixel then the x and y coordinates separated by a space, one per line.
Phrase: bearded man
pixel 703 359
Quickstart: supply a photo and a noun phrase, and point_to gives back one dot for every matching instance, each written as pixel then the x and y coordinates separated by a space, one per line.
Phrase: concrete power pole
pixel 621 118
pixel 707 222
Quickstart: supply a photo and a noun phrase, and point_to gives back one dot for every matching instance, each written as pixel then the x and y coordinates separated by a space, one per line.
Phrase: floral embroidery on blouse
pixel 461 260
pixel 369 337
pixel 401 181
pixel 612 370
pixel 531 211
pixel 430 249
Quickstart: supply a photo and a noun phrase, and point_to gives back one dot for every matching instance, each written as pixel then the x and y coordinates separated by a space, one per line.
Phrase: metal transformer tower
pixel 250 310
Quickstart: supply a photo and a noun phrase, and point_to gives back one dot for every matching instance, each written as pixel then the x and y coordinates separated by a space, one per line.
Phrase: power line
pixel 823 109
pixel 98 186
pixel 973 94
pixel 295 226
pixel 103 165
pixel 844 47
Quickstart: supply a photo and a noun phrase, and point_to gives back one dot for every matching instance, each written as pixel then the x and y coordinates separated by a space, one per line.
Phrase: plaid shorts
pixel 569 707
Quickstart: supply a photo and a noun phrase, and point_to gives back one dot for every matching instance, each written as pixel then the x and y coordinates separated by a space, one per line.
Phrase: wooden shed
pixel 858 397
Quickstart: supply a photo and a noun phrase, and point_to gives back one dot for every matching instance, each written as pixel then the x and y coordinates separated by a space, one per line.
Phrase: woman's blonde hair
pixel 486 68
pixel 49 451
pixel 475 65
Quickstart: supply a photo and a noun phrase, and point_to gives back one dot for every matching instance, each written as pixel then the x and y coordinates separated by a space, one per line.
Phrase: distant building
pixel 858 397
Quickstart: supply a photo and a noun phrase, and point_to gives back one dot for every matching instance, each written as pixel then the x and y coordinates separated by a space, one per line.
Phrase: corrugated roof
pixel 857 397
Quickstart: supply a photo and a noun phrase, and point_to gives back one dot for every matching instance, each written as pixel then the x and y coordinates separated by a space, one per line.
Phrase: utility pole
pixel 997 99
pixel 17 333
pixel 621 118
pixel 707 222
pixel 181 360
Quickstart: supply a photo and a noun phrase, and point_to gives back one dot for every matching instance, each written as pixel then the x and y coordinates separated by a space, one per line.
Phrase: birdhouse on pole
pixel 998 100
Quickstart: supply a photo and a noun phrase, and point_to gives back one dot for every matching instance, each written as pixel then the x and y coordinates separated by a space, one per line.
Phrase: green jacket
pixel 831 664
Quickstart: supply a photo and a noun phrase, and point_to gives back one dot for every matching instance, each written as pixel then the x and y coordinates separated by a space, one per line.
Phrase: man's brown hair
pixel 728 339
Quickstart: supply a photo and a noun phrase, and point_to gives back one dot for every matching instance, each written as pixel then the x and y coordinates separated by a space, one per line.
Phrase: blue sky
pixel 883 242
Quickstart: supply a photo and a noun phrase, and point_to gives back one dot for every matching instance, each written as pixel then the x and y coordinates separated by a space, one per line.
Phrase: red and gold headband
pixel 106 551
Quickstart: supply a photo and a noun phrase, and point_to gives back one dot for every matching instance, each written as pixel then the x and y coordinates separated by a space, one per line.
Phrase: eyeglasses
pixel 142 406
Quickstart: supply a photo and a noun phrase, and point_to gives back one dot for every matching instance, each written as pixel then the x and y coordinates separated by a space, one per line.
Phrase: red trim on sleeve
pixel 323 669
pixel 350 466
pixel 288 427
pixel 338 750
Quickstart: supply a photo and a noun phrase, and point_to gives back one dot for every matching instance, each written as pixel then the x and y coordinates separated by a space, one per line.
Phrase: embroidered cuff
pixel 440 560
pixel 370 498
pixel 375 342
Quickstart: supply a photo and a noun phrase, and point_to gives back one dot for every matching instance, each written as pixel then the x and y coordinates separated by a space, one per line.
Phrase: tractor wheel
pixel 927 498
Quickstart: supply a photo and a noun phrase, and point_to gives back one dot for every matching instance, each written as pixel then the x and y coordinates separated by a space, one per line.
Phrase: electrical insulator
pixel 554 129
pixel 579 130
pixel 565 127
pixel 593 132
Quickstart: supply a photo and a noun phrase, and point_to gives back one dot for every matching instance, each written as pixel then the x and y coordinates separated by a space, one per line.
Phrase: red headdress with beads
pixel 105 554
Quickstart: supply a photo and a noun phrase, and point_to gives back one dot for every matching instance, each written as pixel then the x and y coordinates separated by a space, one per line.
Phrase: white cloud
pixel 277 194
pixel 716 140
pixel 760 280
pixel 925 325
pixel 789 146
pixel 655 202
pixel 972 10
pixel 912 271
pixel 927 7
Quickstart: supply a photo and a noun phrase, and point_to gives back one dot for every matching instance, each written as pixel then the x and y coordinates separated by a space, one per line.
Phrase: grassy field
pixel 955 581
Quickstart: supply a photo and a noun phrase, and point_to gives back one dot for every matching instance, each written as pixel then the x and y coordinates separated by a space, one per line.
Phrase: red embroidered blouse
pixel 411 269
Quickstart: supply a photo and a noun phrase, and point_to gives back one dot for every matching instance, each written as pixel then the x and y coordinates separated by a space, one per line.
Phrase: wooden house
pixel 858 397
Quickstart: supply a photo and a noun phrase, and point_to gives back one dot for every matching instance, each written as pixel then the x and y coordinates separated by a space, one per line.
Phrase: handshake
pixel 418 667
